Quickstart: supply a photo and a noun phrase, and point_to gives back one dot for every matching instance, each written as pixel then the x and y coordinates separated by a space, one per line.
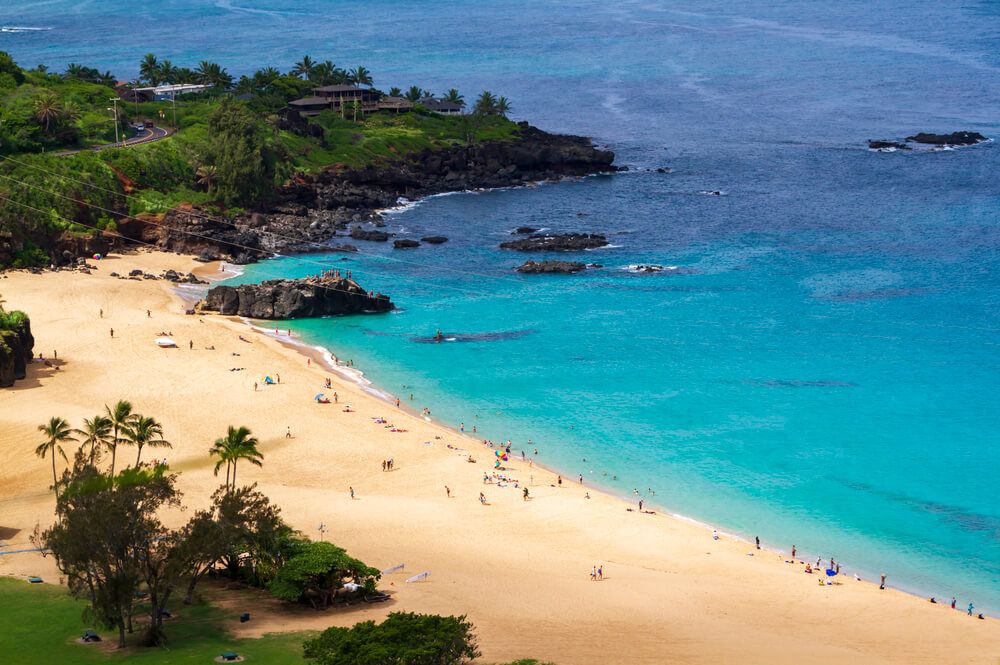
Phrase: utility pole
pixel 114 100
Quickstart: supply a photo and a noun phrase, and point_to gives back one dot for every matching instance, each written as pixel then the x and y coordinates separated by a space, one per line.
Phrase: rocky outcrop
pixel 326 295
pixel 434 240
pixel 558 242
pixel 373 235
pixel 187 230
pixel 523 231
pixel 564 267
pixel 16 348
pixel 887 146
pixel 955 138
pixel 405 243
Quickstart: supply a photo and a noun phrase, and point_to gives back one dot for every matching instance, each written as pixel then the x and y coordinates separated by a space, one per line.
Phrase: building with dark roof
pixel 441 106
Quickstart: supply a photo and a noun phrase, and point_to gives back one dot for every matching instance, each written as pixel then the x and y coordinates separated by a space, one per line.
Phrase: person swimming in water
pixel 438 336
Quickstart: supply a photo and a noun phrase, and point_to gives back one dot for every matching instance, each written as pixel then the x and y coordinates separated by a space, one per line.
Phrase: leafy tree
pixel 145 431
pixel 414 93
pixel 56 432
pixel 304 68
pixel 236 445
pixel 9 67
pixel 239 151
pixel 317 572
pixel 327 73
pixel 454 97
pixel 120 416
pixel 211 73
pixel 96 433
pixel 361 76
pixel 404 638
pixel 503 106
pixel 149 69
pixel 106 535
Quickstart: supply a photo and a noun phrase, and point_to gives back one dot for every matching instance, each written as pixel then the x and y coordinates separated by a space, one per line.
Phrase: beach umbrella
pixel 318 396
pixel 830 572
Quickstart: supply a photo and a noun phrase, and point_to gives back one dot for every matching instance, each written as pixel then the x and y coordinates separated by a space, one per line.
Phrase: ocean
pixel 822 368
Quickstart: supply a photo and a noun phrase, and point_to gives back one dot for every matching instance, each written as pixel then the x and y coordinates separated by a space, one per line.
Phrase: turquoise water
pixel 827 371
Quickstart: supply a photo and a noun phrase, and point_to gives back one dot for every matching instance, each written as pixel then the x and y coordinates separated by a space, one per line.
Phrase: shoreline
pixel 327 358
pixel 670 589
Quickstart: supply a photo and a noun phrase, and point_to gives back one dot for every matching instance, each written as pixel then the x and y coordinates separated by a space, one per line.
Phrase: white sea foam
pixel 21 28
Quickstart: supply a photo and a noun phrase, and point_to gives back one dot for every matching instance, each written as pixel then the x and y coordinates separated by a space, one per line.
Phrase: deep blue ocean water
pixel 827 373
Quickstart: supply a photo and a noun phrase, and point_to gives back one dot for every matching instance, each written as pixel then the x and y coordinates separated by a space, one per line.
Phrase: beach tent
pixel 268 380
pixel 165 343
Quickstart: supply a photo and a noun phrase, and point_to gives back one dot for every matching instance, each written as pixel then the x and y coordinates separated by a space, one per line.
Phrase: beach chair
pixel 229 656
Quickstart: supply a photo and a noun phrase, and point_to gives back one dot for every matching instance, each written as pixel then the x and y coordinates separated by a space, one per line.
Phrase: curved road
pixel 148 135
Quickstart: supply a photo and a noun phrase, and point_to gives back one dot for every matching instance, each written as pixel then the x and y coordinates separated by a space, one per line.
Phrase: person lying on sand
pixel 348 409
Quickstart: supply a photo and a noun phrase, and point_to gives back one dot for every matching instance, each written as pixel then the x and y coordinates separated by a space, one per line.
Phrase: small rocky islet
pixel 956 139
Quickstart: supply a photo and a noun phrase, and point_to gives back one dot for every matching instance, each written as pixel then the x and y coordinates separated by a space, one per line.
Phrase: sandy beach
pixel 519 569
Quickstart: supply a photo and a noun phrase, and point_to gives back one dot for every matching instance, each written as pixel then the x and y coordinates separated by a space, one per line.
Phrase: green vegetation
pixel 317 571
pixel 42 623
pixel 403 638
pixel 229 153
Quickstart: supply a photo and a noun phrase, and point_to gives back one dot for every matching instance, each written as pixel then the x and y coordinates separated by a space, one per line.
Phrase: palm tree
pixel 395 92
pixel 120 417
pixel 185 75
pixel 415 94
pixel 304 68
pixel 211 73
pixel 361 76
pixel 503 106
pixel 455 98
pixel 245 86
pixel 71 112
pixel 263 78
pixel 486 104
pixel 236 445
pixel 145 431
pixel 75 71
pixel 149 69
pixel 56 431
pixel 48 109
pixel 169 73
pixel 96 432
pixel 206 176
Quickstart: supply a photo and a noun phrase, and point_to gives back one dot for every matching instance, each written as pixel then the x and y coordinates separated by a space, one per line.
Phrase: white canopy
pixel 165 342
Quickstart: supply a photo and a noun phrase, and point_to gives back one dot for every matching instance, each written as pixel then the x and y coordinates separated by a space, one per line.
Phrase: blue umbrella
pixel 318 396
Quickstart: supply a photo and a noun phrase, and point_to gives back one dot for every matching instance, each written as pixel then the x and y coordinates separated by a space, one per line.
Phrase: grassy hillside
pixel 227 155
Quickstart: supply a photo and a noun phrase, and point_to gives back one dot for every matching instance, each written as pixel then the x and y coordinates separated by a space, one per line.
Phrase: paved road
pixel 148 135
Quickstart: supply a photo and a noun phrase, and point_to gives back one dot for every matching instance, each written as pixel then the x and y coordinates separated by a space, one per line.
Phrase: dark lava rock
pixel 664 169
pixel 565 267
pixel 887 145
pixel 565 242
pixel 134 273
pixel 524 230
pixel 666 270
pixel 359 233
pixel 16 351
pixel 343 248
pixel 955 138
pixel 434 240
pixel 405 243
pixel 294 298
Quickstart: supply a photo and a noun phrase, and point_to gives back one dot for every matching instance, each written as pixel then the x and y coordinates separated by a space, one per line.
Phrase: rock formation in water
pixel 327 295
pixel 556 242
pixel 955 138
pixel 565 267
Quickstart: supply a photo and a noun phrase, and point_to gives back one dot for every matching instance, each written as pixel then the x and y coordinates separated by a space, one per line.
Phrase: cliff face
pixel 294 298
pixel 313 209
pixel 16 351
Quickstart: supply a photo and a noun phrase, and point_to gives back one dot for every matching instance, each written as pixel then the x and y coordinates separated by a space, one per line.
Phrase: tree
pixel 317 572
pixel 239 151
pixel 395 92
pixel 107 536
pixel 404 638
pixel 120 416
pixel 8 66
pixel 356 107
pixel 149 69
pixel 75 71
pixel 206 176
pixel 503 106
pixel 56 432
pixel 145 431
pixel 327 73
pixel 304 68
pixel 96 433
pixel 47 109
pixel 414 94
pixel 236 445
pixel 486 104
pixel 211 73
pixel 361 76
pixel 168 72
pixel 455 98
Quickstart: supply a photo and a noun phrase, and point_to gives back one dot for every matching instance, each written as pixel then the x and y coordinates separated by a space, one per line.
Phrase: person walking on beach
pixel 288 432
pixel 112 333
pixel 352 492
pixel 640 505
pixel 971 607
pixel 482 498
pixel 757 540
pixel 277 376
pixel 593 573
pixel 447 491
pixel 559 481
pixel 881 584
pixel 600 572
pixel 383 465
pixel 101 313
pixel 525 496
pixel 397 402
pixel 191 344
pixel 309 362
pixel 715 534
pixel 149 315
pixel 793 551
pixel 461 427
pixel 953 602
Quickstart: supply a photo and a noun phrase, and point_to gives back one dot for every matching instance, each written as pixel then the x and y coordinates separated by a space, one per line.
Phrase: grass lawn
pixel 41 623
